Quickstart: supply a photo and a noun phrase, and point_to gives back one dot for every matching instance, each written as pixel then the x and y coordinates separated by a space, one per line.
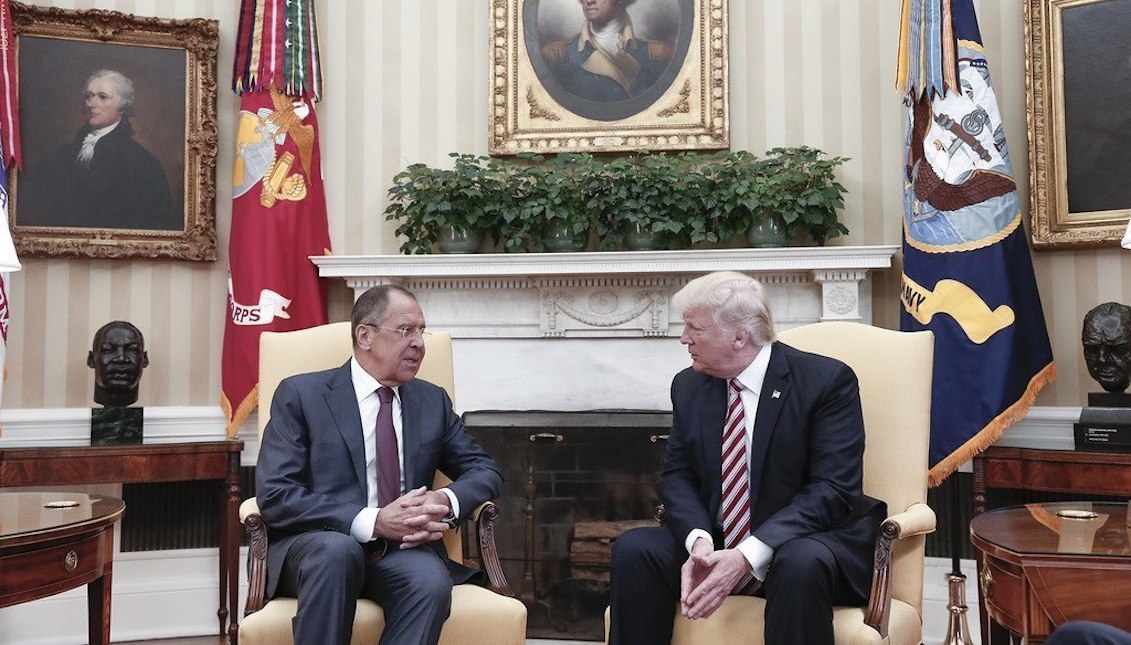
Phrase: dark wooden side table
pixel 52 542
pixel 168 462
pixel 1045 564
pixel 1054 471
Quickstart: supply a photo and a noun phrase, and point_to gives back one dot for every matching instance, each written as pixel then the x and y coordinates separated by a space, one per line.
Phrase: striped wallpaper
pixel 406 81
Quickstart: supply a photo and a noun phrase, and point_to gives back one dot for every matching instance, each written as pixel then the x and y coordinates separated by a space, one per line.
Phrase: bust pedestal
pixel 1106 423
pixel 116 426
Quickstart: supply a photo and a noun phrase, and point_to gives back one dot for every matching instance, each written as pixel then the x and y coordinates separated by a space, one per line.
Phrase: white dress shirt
pixel 365 388
pixel 86 152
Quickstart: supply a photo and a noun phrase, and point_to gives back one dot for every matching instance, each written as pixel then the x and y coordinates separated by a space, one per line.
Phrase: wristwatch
pixel 451 522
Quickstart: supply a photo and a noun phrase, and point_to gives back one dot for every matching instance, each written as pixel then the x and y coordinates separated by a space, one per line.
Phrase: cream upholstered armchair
pixel 478 615
pixel 894 369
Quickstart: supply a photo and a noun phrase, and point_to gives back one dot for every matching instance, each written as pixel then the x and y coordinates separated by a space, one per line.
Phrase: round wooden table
pixel 52 542
pixel 1042 565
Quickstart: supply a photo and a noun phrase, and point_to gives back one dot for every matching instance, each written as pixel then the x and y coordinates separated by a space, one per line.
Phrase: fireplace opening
pixel 573 483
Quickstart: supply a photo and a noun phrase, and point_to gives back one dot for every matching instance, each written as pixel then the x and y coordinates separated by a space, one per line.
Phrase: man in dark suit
pixel 793 524
pixel 342 483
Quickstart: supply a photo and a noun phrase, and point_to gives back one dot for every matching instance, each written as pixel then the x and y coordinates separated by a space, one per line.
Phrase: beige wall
pixel 406 81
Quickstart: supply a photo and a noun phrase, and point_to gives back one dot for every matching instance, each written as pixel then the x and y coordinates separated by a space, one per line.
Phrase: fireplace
pixel 573 482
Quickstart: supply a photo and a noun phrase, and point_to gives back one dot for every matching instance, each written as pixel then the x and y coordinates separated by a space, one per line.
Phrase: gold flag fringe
pixel 993 431
pixel 239 417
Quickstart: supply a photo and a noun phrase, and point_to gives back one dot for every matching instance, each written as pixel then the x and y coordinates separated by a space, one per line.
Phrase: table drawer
pixel 45 571
pixel 1004 590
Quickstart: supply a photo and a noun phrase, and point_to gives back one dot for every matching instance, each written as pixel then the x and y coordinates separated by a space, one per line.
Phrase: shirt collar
pixel 586 36
pixel 363 382
pixel 754 375
pixel 101 132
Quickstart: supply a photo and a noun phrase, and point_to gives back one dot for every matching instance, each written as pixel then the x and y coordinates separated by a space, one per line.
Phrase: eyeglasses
pixel 404 332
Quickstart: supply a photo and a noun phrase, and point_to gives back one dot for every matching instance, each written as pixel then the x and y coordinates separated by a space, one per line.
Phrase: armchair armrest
pixel 484 517
pixel 918 519
pixel 256 556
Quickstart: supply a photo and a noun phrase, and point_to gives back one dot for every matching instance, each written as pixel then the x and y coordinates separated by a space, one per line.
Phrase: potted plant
pixel 453 207
pixel 550 211
pixel 773 198
pixel 799 186
pixel 643 201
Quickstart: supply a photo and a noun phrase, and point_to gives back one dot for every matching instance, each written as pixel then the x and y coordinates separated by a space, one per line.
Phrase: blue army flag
pixel 967 274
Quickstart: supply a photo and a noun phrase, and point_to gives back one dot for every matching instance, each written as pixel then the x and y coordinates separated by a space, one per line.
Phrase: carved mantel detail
pixel 611 295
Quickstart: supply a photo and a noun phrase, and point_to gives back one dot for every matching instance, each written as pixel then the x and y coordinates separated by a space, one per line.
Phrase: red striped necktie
pixel 736 479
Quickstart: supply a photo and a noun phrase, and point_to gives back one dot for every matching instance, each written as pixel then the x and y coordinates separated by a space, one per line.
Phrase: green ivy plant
pixel 646 192
pixel 423 200
pixel 686 199
pixel 545 193
pixel 799 185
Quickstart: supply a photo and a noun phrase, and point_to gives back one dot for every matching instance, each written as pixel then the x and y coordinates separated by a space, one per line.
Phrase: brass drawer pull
pixel 71 561
pixel 986 579
pixel 658 437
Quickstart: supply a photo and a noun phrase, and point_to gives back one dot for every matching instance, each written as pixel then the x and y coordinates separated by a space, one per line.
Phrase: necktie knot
pixel 385 395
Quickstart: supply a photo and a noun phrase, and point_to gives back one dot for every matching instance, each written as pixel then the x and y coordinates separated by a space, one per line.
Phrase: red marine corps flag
pixel 278 201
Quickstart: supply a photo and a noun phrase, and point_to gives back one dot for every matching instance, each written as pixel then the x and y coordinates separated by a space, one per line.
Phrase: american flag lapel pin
pixel 775 395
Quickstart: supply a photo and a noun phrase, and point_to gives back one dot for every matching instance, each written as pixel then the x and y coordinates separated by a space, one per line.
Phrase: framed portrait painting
pixel 605 75
pixel 1078 88
pixel 118 128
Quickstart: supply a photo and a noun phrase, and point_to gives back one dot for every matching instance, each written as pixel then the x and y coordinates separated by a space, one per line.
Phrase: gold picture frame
pixel 547 94
pixel 1077 80
pixel 118 204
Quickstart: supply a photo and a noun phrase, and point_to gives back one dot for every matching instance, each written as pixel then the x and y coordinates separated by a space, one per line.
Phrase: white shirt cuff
pixel 695 534
pixel 455 503
pixel 363 524
pixel 758 554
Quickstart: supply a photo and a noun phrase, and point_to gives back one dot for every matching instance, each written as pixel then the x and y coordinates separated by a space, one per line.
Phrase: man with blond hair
pixel 762 484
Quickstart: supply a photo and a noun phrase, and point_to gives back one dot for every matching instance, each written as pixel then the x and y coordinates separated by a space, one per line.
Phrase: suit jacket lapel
pixel 712 418
pixel 775 389
pixel 342 402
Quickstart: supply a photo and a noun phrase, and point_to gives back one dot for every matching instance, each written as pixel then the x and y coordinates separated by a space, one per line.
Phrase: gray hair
pixel 369 309
pixel 736 301
pixel 122 84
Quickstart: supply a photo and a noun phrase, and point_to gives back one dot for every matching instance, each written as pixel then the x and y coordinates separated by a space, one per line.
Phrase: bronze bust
pixel 118 356
pixel 1107 345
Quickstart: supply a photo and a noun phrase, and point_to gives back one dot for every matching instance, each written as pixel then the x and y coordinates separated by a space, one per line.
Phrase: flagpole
pixel 957 628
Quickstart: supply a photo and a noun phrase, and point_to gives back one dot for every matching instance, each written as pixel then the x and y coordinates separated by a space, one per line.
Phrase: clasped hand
pixel 708 577
pixel 413 518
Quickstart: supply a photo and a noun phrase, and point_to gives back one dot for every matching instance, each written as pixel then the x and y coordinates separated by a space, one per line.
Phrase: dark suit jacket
pixel 566 63
pixel 123 187
pixel 311 470
pixel 807 460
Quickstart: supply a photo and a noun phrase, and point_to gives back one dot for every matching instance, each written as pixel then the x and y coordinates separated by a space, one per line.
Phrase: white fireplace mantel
pixel 614 294
pixel 591 331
